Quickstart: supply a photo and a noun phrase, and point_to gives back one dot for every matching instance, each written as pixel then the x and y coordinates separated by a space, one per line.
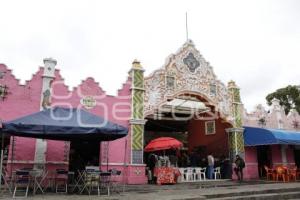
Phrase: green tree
pixel 289 98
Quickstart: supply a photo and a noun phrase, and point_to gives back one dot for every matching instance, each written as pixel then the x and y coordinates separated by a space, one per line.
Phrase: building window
pixel 210 128
pixel 170 82
pixel 213 90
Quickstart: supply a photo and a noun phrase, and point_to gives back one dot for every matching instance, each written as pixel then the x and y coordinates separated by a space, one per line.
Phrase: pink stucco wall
pixel 21 100
pixel 251 169
pixel 290 156
pixel 276 155
pixel 116 109
pixel 25 99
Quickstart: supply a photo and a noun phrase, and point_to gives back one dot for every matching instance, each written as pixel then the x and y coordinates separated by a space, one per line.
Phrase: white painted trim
pixel 138 121
pixel 123 164
pixel 33 162
pixel 112 164
pixel 234 130
pixel 235 138
pixel 131 138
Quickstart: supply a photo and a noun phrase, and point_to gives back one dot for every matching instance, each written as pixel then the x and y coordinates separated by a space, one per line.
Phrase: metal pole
pixel 100 156
pixel 186 27
pixel 125 165
pixel 107 149
pixel 12 155
pixel 1 160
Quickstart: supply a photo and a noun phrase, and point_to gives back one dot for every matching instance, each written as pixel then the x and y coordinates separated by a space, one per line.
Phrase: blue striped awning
pixel 254 136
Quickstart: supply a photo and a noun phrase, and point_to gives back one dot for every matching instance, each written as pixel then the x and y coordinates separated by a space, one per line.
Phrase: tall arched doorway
pixel 190 118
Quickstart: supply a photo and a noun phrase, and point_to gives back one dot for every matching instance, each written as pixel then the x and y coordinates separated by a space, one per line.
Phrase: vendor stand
pixel 164 173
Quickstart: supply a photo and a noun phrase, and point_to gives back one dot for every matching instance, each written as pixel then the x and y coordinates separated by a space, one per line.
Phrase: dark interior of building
pixel 83 154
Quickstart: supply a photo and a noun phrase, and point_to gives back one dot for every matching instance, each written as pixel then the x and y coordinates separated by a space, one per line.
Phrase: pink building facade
pixel 186 75
pixel 20 100
pixel 273 118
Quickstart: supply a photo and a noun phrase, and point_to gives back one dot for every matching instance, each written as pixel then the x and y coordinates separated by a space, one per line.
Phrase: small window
pixel 213 89
pixel 170 82
pixel 210 128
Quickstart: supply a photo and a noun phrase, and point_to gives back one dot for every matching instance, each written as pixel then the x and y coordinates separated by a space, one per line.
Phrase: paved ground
pixel 188 191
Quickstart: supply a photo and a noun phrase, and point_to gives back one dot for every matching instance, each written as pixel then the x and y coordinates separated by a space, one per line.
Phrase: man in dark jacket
pixel 239 166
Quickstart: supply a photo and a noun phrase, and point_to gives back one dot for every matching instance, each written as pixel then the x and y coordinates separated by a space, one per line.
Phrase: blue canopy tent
pixel 69 124
pixel 64 124
pixel 262 136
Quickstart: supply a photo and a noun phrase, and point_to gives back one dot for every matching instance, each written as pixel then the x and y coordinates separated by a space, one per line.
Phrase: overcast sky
pixel 254 42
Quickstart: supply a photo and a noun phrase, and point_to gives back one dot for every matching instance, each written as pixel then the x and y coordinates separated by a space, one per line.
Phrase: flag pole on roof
pixel 186 26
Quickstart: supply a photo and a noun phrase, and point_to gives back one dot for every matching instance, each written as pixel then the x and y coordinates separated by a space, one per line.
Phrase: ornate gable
pixel 185 72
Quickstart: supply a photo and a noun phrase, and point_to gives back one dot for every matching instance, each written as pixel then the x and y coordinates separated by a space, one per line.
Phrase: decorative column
pixel 279 112
pixel 235 134
pixel 48 76
pixel 137 121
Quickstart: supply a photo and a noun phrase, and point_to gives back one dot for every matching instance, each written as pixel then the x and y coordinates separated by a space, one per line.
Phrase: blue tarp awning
pixel 64 124
pixel 262 136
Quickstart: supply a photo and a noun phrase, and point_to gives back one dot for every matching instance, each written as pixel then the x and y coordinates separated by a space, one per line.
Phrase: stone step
pixel 249 193
pixel 268 196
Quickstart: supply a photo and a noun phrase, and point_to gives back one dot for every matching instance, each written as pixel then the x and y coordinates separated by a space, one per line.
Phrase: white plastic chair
pixel 190 176
pixel 217 172
pixel 199 173
pixel 203 173
pixel 182 175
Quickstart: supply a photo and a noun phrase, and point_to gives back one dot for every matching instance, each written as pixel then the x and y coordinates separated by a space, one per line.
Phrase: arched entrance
pixel 192 119
pixel 184 99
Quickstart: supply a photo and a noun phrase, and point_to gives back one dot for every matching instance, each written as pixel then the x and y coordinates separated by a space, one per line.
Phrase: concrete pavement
pixel 189 191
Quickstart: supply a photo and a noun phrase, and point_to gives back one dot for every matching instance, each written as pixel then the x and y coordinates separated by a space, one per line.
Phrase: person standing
pixel 239 166
pixel 210 168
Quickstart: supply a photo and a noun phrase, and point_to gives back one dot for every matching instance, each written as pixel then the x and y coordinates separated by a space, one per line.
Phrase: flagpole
pixel 186 26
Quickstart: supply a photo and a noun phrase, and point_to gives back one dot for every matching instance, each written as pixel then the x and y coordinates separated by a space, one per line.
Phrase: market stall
pixel 163 171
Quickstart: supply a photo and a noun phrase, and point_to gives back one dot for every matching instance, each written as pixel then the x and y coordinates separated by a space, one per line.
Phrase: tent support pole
pixel 12 155
pixel 1 161
pixel 125 165
pixel 107 153
pixel 100 155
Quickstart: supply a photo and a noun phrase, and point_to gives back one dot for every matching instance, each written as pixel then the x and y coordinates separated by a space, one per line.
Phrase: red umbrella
pixel 163 143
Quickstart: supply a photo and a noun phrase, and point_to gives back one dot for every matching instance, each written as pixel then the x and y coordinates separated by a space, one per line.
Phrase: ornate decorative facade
pixel 186 71
pixel 272 117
